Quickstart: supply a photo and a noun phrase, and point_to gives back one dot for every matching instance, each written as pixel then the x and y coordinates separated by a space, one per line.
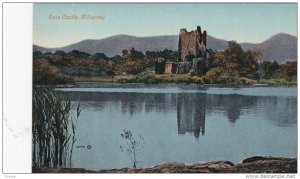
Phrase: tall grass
pixel 53 129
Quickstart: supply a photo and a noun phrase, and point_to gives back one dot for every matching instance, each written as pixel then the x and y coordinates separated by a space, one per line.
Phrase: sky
pixel 241 22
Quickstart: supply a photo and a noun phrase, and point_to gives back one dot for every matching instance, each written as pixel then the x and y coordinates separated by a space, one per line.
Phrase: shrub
pixel 211 76
pixel 233 80
pixel 44 73
pixel 133 145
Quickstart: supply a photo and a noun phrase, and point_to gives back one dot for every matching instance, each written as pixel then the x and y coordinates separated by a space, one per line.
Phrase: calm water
pixel 183 123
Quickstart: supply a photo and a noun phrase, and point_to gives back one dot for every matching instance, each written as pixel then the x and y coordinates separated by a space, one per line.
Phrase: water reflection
pixel 232 105
pixel 191 113
pixel 192 108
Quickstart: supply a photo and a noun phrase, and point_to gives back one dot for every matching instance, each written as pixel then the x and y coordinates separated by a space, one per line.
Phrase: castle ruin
pixel 193 55
pixel 191 43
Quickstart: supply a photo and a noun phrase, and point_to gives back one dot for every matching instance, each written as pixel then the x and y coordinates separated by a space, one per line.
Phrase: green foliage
pixel 136 55
pixel 61 67
pixel 211 76
pixel 232 62
pixel 82 71
pixel 215 76
pixel 99 57
pixel 233 80
pixel 168 55
pixel 199 66
pixel 236 62
pixel 57 68
pixel 269 68
pixel 148 78
pixel 152 78
pixel 53 129
pixel 283 81
pixel 190 58
pixel 44 73
pixel 184 67
pixel 287 70
pixel 132 66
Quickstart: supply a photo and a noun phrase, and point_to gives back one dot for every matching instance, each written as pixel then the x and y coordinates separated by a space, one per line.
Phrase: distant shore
pixel 257 164
pixel 180 79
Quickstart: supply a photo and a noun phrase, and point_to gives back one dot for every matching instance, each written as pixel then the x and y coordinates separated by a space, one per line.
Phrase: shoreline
pixel 150 78
pixel 77 84
pixel 256 164
pixel 181 79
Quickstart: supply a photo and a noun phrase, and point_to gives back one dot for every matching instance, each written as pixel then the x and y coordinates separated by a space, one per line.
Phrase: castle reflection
pixel 191 113
pixel 192 108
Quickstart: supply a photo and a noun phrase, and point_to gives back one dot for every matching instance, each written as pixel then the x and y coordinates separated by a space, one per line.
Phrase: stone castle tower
pixel 192 43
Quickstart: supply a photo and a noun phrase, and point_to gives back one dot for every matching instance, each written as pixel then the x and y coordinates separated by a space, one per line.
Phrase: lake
pixel 182 123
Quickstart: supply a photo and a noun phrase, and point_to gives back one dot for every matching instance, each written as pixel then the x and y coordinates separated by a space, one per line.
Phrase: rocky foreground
pixel 256 164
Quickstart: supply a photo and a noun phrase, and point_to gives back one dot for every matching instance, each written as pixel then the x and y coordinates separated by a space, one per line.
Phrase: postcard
pixel 164 88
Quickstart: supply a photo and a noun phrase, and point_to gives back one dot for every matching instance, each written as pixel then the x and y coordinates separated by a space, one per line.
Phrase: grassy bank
pixel 280 81
pixel 152 78
pixel 148 78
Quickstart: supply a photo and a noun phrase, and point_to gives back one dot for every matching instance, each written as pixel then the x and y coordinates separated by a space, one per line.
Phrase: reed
pixel 53 129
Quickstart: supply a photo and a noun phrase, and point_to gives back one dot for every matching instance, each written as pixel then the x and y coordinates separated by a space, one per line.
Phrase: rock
pixel 257 164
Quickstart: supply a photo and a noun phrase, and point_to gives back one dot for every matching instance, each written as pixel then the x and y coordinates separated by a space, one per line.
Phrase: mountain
pixel 42 49
pixel 114 45
pixel 279 47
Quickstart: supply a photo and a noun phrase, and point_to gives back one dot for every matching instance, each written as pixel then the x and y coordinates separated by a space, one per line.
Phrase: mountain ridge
pixel 278 47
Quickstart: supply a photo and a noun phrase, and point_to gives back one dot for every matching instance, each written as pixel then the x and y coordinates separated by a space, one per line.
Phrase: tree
pixel 269 69
pixel 250 62
pixel 37 55
pixel 235 56
pixel 132 66
pixel 98 56
pixel 235 62
pixel 287 70
pixel 136 55
pixel 44 73
pixel 124 52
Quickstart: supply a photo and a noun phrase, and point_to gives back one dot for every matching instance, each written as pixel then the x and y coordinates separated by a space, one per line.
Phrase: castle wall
pixel 187 44
pixel 190 43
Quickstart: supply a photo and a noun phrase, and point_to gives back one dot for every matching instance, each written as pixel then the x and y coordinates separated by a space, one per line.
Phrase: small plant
pixel 132 145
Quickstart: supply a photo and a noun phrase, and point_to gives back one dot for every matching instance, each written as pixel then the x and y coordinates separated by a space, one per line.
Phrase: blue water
pixel 182 123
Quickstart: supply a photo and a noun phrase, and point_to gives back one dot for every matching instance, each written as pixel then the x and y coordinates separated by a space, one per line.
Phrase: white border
pixel 17 73
pixel 17 80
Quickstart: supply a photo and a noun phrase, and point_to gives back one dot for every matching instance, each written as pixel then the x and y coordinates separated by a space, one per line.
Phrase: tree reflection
pixel 192 108
pixel 232 105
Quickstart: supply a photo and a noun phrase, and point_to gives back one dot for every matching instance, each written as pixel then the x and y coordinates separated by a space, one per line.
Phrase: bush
pixel 233 80
pixel 211 76
pixel 44 73
pixel 216 76
pixel 147 79
pixel 184 67
pixel 227 80
pixel 151 78
pixel 247 80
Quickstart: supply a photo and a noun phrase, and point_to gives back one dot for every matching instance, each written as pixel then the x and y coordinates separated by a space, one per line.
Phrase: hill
pixel 279 47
